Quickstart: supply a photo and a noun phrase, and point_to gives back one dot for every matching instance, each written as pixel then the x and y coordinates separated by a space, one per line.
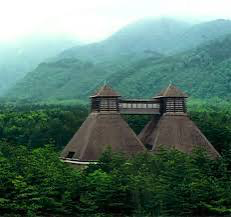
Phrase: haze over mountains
pixel 19 57
pixel 165 36
pixel 138 60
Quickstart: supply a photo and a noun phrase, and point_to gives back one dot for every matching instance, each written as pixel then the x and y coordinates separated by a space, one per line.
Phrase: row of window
pixel 139 105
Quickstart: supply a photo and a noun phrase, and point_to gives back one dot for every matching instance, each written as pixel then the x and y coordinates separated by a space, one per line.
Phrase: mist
pixel 90 21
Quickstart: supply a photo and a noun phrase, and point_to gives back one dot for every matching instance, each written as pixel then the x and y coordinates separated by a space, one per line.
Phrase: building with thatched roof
pixel 103 128
pixel 173 128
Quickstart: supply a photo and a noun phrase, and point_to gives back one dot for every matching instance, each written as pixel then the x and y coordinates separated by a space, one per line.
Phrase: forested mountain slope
pixel 202 72
pixel 165 36
pixel 23 55
pixel 65 79
pixel 142 37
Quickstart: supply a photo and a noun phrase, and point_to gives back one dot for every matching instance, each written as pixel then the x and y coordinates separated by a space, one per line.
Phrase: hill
pixel 65 79
pixel 164 36
pixel 202 33
pixel 139 38
pixel 21 56
pixel 203 72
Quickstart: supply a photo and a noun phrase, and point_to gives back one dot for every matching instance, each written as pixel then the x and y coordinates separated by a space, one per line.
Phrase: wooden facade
pixel 172 100
pixel 169 100
pixel 173 104
pixel 105 100
pixel 105 104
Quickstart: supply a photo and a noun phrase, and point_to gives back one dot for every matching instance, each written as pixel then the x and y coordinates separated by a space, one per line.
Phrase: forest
pixel 34 182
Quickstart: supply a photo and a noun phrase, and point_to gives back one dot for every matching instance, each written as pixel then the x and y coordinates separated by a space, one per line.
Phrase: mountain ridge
pixel 134 74
pixel 21 56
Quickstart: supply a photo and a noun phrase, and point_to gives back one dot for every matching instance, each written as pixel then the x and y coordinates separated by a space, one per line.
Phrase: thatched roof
pixel 106 91
pixel 99 131
pixel 145 135
pixel 175 131
pixel 171 91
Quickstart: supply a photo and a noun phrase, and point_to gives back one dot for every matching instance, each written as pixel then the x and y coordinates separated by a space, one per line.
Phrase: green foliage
pixel 202 73
pixel 214 119
pixel 58 81
pixel 36 125
pixel 34 182
pixel 170 183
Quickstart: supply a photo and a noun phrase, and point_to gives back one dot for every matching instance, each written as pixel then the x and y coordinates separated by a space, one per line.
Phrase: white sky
pixel 96 19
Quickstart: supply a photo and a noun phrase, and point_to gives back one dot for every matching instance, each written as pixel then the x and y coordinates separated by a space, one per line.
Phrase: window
pixel 139 105
pixel 156 106
pixel 70 154
pixel 103 103
pixel 112 103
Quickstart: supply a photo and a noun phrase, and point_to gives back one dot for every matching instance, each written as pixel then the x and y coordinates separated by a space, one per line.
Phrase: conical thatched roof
pixel 106 91
pixel 171 91
pixel 99 131
pixel 175 131
pixel 145 135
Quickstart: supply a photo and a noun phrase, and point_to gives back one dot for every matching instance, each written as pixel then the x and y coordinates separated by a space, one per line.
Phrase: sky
pixel 91 20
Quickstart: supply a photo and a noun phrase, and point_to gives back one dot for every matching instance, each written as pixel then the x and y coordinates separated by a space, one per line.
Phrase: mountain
pixel 21 56
pixel 164 36
pixel 202 68
pixel 203 33
pixel 145 36
pixel 59 80
pixel 203 72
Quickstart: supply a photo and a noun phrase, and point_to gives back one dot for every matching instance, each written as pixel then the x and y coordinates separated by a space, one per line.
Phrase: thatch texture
pixel 175 130
pixel 99 131
pixel 146 135
pixel 171 91
pixel 106 91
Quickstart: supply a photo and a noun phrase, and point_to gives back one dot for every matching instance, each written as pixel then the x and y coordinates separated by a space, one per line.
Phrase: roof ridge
pixel 106 91
pixel 171 91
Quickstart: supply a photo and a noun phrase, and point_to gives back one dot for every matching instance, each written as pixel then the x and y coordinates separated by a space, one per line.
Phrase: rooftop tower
pixel 173 128
pixel 104 127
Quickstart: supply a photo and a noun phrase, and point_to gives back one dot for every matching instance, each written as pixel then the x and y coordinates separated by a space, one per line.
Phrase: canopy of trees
pixel 34 182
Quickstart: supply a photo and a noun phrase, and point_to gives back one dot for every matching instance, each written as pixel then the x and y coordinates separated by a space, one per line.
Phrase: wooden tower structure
pixel 172 99
pixel 105 100
pixel 104 127
pixel 173 128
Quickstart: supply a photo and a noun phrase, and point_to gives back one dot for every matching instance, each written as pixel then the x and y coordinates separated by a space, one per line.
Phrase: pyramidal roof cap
pixel 171 91
pixel 106 91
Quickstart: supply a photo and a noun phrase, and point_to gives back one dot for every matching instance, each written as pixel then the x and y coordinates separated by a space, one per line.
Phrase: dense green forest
pixel 34 182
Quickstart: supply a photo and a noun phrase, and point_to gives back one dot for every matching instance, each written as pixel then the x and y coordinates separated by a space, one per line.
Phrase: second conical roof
pixel 175 131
